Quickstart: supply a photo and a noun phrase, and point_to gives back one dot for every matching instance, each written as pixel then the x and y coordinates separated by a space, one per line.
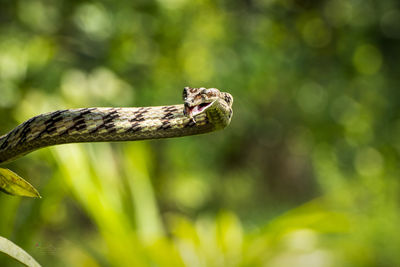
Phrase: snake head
pixel 199 100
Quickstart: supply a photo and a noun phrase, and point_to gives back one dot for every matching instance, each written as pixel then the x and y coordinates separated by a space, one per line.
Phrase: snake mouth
pixel 195 110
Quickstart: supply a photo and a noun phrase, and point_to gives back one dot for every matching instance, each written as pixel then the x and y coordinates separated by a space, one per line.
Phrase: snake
pixel 203 110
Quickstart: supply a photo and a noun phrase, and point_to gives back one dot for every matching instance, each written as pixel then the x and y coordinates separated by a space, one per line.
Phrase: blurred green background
pixel 307 174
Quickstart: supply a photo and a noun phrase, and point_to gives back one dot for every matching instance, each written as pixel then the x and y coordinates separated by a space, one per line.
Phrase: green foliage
pixel 12 184
pixel 307 174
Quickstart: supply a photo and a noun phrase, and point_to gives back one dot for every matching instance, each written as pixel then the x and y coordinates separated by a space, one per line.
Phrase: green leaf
pixel 14 251
pixel 13 184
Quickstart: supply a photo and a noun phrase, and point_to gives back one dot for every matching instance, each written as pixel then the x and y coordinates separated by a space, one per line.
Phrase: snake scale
pixel 204 110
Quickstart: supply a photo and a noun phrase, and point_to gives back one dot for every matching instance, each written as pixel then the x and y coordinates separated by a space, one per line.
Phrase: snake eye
pixel 185 94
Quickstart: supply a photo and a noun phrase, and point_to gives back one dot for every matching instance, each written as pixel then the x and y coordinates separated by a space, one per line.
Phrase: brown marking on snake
pixel 134 128
pixel 24 130
pixel 107 122
pixel 167 116
pixel 140 115
pixel 50 123
pixel 191 123
pixel 165 125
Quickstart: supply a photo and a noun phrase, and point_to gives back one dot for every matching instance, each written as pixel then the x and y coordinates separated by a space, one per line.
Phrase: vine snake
pixel 204 110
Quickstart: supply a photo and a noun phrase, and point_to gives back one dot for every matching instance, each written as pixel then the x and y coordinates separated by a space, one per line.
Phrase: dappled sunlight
pixel 99 86
pixel 94 20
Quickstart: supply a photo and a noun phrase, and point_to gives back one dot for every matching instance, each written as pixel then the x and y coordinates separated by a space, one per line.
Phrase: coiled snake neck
pixel 204 110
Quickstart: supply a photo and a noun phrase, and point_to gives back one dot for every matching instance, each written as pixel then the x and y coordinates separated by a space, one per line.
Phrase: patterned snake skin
pixel 204 110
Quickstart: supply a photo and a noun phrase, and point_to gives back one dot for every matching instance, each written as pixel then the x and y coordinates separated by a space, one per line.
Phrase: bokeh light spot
pixel 39 51
pixel 188 192
pixel 338 12
pixel 344 109
pixel 311 98
pixel 101 85
pixel 301 240
pixel 367 59
pixel 105 85
pixel 74 85
pixel 368 162
pixel 39 15
pixel 94 21
pixel 316 33
pixel 13 60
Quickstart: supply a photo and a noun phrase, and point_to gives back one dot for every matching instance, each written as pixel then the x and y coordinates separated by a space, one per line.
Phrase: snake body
pixel 204 110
